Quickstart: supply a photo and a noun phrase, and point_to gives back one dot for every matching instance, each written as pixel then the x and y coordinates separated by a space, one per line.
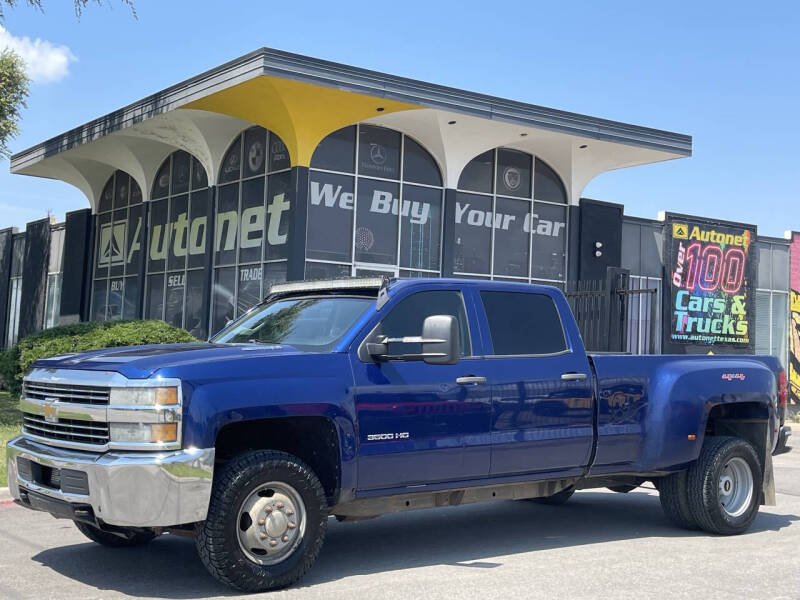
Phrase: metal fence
pixel 617 314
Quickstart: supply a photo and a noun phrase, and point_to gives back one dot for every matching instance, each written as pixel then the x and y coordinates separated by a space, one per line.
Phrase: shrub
pixel 9 365
pixel 80 337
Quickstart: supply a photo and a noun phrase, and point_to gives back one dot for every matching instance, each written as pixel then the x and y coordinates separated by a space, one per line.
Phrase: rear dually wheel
pixel 724 484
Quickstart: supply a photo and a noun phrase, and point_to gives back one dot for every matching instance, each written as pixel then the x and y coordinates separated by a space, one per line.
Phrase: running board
pixel 372 507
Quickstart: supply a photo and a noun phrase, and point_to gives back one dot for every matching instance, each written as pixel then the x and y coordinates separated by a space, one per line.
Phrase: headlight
pixel 143 432
pixel 144 396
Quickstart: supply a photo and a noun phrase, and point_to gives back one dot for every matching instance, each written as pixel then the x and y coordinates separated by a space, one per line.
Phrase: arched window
pixel 510 219
pixel 374 206
pixel 180 207
pixel 252 223
pixel 116 289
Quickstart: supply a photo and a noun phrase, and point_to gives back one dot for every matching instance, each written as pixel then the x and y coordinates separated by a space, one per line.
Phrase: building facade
pixel 278 167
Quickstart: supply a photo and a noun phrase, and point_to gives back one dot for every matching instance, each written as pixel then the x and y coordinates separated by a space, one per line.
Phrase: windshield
pixel 309 324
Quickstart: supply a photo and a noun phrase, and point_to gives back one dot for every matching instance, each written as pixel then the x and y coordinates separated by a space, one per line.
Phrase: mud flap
pixel 768 484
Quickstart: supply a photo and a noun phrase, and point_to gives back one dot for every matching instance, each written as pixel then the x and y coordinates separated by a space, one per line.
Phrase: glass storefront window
pixel 177 248
pixel 549 229
pixel 510 219
pixel 374 205
pixel 513 173
pixel 772 300
pixel 376 226
pixel 477 176
pixel 254 212
pixel 325 270
pixel 329 229
pixel 337 152
pixel 418 165
pixel 473 240
pixel 421 228
pixel 15 288
pixel 52 305
pixel 118 250
pixel 548 185
pixel 54 269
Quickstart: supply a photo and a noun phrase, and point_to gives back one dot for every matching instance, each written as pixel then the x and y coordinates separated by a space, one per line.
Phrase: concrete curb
pixel 5 495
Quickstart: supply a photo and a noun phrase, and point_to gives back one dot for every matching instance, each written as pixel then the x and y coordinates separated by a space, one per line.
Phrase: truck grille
pixel 66 430
pixel 77 394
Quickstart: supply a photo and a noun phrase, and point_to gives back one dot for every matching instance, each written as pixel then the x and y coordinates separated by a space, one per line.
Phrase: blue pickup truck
pixel 359 397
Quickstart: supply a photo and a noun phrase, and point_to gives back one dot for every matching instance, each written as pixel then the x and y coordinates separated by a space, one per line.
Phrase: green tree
pixel 13 92
pixel 80 5
pixel 13 79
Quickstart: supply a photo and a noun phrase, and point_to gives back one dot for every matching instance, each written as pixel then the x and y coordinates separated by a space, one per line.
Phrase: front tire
pixel 135 537
pixel 266 522
pixel 724 486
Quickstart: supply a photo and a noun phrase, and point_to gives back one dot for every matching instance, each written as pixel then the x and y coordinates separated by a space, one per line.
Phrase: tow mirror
pixel 439 340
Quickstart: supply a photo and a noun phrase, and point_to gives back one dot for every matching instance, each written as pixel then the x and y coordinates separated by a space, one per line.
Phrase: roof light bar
pixel 347 283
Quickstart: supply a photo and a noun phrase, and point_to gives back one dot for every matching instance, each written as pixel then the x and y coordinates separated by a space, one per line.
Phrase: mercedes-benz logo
pixel 377 153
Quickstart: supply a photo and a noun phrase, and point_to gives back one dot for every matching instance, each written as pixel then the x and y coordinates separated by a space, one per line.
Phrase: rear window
pixel 522 323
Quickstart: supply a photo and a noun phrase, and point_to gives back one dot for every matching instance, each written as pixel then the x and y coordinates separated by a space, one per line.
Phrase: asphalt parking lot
pixel 599 545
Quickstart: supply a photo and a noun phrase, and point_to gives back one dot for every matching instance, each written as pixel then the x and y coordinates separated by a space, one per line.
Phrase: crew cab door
pixel 416 423
pixel 541 388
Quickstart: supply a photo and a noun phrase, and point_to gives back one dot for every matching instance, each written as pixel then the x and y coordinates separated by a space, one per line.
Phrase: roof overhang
pixel 304 99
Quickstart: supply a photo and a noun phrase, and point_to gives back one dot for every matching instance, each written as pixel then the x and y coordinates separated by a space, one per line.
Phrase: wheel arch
pixel 750 421
pixel 313 439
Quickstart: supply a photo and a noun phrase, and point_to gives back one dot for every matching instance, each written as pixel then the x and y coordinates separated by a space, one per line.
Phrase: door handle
pixel 573 377
pixel 470 380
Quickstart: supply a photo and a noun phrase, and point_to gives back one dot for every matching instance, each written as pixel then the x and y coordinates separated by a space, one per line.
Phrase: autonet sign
pixel 186 234
pixel 711 273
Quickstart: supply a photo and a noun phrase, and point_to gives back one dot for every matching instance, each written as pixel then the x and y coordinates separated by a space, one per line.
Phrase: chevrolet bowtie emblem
pixel 49 410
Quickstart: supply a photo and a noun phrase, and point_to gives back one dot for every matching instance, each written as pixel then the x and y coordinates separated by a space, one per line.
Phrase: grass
pixel 10 420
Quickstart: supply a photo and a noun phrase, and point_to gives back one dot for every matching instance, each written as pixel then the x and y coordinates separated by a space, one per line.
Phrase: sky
pixel 725 73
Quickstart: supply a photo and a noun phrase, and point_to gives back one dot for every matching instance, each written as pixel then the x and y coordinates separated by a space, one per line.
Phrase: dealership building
pixel 277 167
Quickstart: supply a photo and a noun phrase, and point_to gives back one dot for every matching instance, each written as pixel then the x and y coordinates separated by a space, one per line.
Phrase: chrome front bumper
pixel 133 489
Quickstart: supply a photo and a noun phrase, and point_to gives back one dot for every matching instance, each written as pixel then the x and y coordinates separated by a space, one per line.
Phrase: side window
pixel 406 319
pixel 523 323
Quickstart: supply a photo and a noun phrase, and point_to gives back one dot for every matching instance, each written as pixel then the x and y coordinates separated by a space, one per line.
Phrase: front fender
pixel 301 385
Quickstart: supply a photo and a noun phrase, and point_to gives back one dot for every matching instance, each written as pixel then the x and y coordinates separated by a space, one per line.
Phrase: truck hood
pixel 139 362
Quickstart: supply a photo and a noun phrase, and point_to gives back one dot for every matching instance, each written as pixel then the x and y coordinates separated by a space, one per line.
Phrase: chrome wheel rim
pixel 271 523
pixel 735 487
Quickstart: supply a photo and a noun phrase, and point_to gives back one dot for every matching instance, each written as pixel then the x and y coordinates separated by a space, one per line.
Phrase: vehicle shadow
pixel 468 536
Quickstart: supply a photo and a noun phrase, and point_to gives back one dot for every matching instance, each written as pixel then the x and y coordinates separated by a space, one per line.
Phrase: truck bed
pixel 649 406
